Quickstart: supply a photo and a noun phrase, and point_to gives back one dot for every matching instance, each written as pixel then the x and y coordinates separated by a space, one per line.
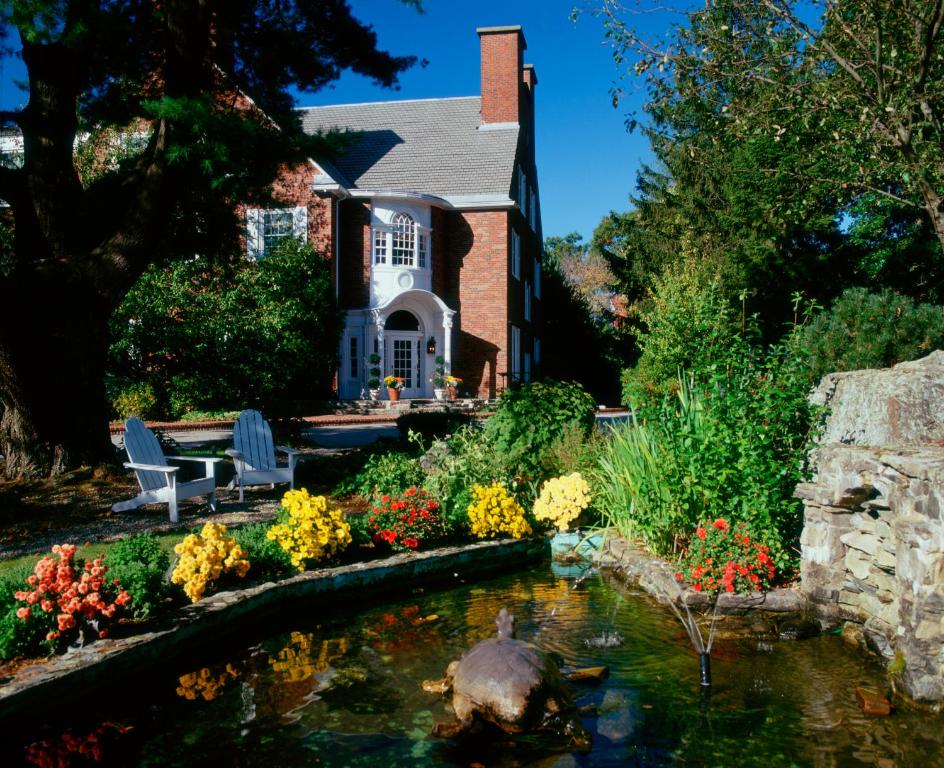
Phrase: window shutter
pixel 254 233
pixel 300 223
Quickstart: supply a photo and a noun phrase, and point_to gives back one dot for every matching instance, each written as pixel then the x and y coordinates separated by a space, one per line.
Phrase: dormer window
pixel 405 241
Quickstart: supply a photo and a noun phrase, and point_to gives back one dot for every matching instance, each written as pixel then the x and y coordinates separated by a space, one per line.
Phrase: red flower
pixel 701 533
pixel 410 542
pixel 721 524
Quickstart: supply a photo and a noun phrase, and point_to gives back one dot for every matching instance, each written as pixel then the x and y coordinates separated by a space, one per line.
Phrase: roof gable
pixel 432 146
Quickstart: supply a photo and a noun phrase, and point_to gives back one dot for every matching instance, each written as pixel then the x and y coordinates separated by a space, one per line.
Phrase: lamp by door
pixel 431 346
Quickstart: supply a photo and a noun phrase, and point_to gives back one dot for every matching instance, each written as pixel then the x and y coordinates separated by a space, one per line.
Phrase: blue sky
pixel 587 161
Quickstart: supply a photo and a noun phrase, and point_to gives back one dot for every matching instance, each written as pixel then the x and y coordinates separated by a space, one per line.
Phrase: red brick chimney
pixel 502 73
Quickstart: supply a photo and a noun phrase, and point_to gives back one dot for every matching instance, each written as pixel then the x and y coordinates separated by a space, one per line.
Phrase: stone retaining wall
pixel 873 535
pixel 225 614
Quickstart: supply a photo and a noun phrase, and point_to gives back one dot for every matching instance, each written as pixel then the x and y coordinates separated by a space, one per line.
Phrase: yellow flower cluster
pixel 312 532
pixel 206 556
pixel 562 500
pixel 495 512
pixel 204 683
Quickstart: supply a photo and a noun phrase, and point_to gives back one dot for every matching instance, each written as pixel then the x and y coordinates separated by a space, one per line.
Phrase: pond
pixel 344 690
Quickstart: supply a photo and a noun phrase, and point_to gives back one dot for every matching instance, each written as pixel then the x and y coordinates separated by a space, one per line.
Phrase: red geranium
pixel 722 558
pixel 407 521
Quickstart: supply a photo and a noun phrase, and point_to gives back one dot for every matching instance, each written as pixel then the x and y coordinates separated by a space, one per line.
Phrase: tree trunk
pixel 53 346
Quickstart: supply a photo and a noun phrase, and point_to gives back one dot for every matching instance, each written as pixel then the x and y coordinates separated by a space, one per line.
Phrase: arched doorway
pixel 403 339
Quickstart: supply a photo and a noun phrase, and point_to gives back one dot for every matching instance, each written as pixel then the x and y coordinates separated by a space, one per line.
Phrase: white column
pixel 379 321
pixel 447 340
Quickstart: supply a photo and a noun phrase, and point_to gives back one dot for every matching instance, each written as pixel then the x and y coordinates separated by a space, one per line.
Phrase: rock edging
pixel 64 677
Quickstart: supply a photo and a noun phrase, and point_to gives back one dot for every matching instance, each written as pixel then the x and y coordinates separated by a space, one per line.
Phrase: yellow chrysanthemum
pixel 206 556
pixel 562 499
pixel 495 512
pixel 312 532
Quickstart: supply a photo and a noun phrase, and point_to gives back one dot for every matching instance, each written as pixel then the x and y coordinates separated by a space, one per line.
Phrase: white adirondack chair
pixel 254 454
pixel 158 480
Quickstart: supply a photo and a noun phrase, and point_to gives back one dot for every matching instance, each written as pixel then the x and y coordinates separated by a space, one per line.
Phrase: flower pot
pixel 438 393
pixel 393 394
pixel 577 542
pixel 374 394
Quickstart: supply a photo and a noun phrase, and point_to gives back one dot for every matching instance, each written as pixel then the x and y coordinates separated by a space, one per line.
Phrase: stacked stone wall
pixel 873 536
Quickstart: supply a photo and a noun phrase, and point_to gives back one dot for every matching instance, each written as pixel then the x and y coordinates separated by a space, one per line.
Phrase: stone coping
pixel 222 614
pixel 656 577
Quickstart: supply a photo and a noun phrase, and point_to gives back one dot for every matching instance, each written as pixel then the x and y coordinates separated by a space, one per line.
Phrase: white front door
pixel 404 360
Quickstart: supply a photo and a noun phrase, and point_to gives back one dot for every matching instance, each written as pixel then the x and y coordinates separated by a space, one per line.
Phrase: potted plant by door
pixel 394 384
pixel 373 383
pixel 439 377
pixel 452 386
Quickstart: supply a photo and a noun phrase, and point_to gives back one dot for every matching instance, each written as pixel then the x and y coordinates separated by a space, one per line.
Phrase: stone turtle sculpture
pixel 511 684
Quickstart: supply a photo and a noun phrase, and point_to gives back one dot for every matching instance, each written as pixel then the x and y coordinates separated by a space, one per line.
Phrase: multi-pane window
pixel 354 362
pixel 403 240
pixel 276 226
pixel 380 246
pixel 516 255
pixel 267 229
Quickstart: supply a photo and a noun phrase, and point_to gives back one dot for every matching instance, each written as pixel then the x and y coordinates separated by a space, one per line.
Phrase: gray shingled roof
pixel 434 146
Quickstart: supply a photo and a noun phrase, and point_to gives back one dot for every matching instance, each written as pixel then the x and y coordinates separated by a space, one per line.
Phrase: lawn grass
pixel 14 567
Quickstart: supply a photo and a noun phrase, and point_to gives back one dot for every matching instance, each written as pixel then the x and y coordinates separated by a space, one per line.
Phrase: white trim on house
pixel 255 228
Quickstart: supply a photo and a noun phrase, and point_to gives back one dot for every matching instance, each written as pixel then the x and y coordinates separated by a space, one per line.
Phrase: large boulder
pixel 901 406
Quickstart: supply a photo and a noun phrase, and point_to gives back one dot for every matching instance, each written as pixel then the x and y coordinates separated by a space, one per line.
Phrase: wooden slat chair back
pixel 253 454
pixel 157 478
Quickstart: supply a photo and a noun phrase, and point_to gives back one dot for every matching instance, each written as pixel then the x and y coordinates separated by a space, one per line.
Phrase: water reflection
pixel 347 692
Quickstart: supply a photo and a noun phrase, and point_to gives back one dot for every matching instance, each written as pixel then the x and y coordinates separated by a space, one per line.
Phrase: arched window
pixel 404 240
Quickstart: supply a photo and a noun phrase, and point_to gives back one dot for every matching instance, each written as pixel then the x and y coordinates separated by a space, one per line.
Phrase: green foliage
pixel 227 335
pixel 267 559
pixel 688 323
pixel 866 329
pixel 374 372
pixel 141 566
pixel 432 425
pixel 730 444
pixel 387 472
pixel 135 400
pixel 468 458
pixel 361 535
pixel 18 637
pixel 530 419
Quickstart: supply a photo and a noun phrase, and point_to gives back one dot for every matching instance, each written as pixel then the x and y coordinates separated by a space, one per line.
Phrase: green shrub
pixel 267 559
pixel 389 472
pixel 431 426
pixel 141 566
pixel 732 446
pixel 361 534
pixel 688 324
pixel 18 637
pixel 870 330
pixel 529 420
pixel 135 400
pixel 230 332
pixel 466 459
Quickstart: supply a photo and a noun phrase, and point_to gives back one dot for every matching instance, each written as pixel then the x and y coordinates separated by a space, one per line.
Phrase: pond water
pixel 343 689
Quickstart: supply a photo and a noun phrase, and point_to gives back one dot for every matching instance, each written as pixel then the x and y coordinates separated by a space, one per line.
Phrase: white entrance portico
pixel 407 333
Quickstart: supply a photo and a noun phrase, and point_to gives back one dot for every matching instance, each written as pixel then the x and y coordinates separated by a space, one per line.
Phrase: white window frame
pixel 255 228
pixel 515 255
pixel 388 240
pixel 537 278
pixel 527 300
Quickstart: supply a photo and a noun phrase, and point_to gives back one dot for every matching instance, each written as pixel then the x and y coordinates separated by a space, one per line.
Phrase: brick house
pixel 431 219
